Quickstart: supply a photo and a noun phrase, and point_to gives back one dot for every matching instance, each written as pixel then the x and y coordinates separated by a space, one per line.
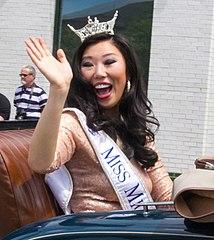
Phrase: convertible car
pixel 28 209
pixel 139 224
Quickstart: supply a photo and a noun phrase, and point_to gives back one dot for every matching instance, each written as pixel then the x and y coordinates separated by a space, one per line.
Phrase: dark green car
pixel 139 224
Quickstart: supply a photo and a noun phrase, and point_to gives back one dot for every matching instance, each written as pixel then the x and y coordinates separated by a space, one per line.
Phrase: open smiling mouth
pixel 103 90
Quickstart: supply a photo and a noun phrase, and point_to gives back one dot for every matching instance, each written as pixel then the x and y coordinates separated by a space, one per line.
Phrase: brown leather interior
pixel 24 196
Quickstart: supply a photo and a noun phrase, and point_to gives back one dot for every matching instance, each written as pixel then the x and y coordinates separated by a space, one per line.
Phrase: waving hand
pixel 57 71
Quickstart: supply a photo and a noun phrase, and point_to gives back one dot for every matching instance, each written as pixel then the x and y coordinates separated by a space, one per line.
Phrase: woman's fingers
pixel 32 51
pixel 44 47
pixel 57 71
pixel 61 56
pixel 31 55
pixel 37 47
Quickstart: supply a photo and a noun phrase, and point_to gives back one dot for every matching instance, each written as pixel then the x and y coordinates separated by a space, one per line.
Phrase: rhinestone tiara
pixel 95 27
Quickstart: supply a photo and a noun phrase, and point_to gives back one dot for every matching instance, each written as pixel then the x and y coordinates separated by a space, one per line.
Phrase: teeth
pixel 101 86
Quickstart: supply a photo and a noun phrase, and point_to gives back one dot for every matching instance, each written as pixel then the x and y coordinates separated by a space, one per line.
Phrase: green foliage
pixel 69 42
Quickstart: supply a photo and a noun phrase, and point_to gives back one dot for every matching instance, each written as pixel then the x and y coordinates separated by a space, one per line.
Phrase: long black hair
pixel 136 125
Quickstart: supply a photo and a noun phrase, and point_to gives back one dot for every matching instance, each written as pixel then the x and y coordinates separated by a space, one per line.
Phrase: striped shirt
pixel 31 99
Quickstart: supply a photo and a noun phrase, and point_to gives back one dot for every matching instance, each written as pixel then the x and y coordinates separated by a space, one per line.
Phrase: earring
pixel 128 85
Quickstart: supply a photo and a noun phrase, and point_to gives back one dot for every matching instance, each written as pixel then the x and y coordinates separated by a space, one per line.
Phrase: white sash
pixel 61 185
pixel 128 186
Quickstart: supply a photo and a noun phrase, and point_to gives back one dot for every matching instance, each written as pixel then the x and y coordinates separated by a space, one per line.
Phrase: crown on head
pixel 95 27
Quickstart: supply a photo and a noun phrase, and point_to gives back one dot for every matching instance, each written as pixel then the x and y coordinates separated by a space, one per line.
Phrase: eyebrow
pixel 105 55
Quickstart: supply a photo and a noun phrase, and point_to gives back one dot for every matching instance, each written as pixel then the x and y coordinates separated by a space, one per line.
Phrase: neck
pixel 112 113
pixel 29 85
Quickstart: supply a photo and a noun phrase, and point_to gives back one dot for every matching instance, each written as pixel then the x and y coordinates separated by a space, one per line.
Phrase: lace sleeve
pixel 66 143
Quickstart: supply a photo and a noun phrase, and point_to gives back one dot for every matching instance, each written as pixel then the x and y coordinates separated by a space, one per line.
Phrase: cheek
pixel 122 78
pixel 86 75
pixel 122 85
pixel 121 70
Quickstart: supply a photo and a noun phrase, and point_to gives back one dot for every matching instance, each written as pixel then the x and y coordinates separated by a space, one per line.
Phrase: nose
pixel 100 71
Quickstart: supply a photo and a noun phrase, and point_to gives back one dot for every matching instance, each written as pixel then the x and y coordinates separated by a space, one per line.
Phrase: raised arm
pixel 58 72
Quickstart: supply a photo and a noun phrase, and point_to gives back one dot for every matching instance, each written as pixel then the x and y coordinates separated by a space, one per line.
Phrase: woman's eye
pixel 110 61
pixel 87 64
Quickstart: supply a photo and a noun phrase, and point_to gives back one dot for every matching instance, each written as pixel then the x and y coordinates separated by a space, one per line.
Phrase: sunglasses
pixel 24 75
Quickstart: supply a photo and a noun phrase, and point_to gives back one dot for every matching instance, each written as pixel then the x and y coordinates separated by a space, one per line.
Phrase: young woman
pixel 105 135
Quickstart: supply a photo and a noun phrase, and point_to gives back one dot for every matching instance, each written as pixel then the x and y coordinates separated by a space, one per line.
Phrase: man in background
pixel 5 108
pixel 29 99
